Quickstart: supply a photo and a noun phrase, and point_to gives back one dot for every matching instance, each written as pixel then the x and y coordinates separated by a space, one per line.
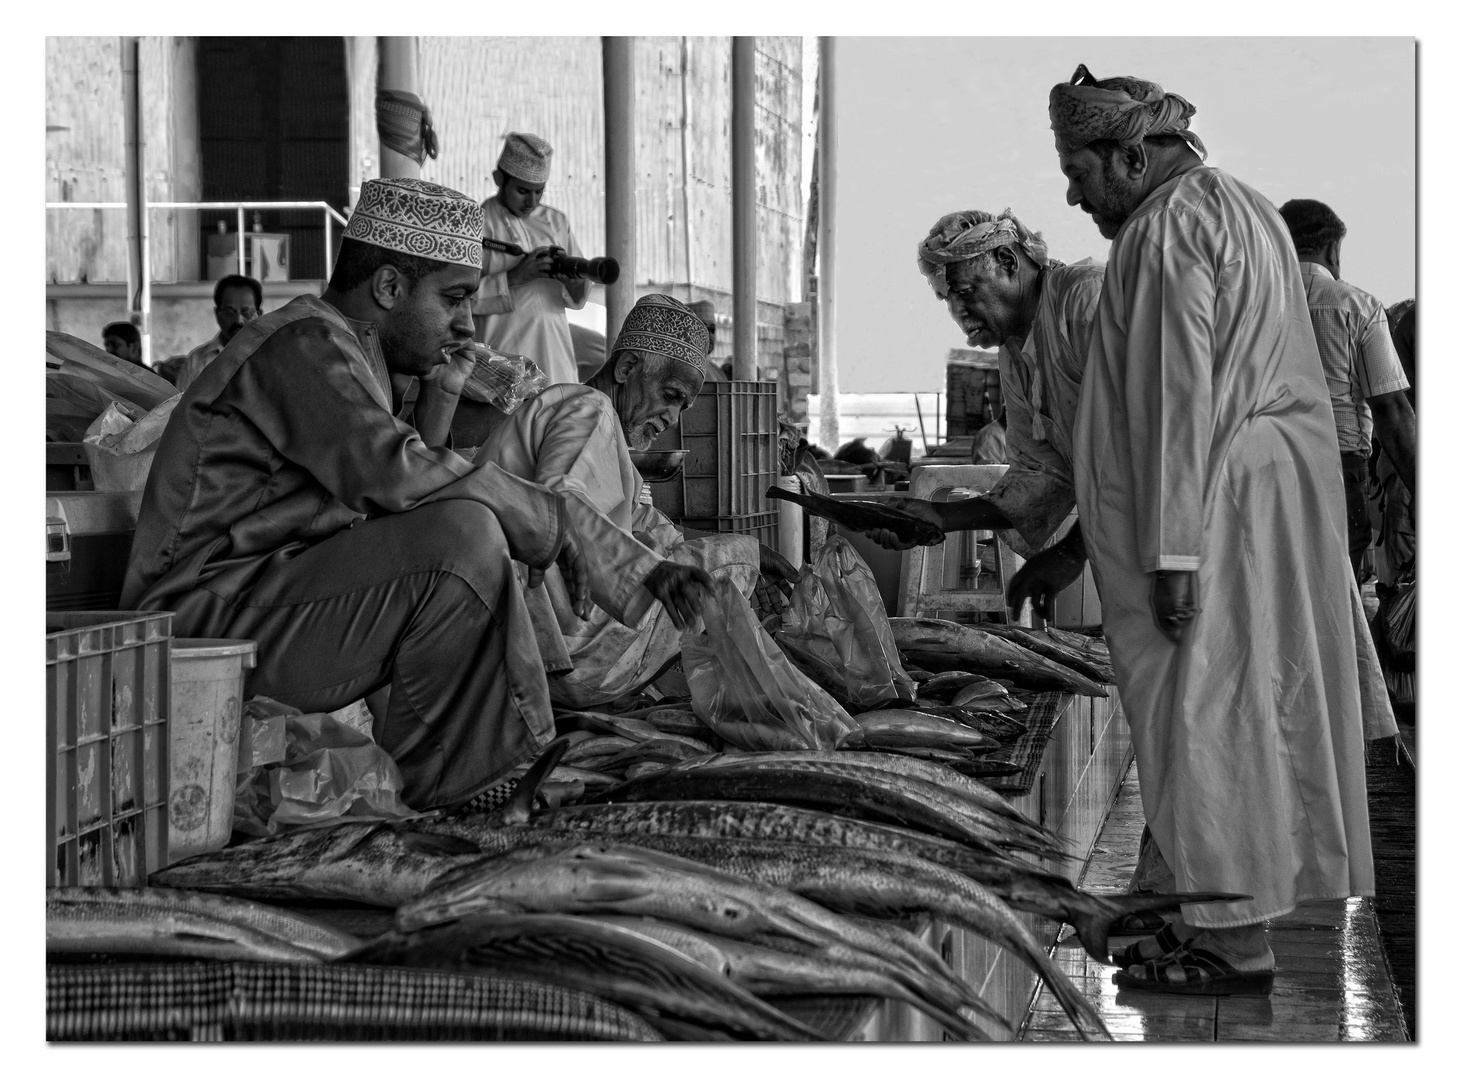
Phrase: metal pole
pixel 620 176
pixel 328 246
pixel 397 71
pixel 138 263
pixel 829 153
pixel 745 216
pixel 242 240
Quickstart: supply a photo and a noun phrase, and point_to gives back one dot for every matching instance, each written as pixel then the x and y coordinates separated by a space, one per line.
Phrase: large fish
pixel 850 786
pixel 243 1001
pixel 792 970
pixel 1019 885
pixel 896 729
pixel 175 922
pixel 864 516
pixel 602 877
pixel 940 645
pixel 368 862
pixel 676 995
pixel 1044 644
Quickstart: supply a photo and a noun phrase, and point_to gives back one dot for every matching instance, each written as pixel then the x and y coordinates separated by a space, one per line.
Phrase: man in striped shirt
pixel 1362 369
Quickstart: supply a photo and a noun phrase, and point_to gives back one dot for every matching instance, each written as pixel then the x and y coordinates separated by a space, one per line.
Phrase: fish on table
pixel 678 996
pixel 83 920
pixel 938 644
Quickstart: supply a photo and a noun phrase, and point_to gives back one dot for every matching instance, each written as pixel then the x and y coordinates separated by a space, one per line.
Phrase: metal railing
pixel 330 216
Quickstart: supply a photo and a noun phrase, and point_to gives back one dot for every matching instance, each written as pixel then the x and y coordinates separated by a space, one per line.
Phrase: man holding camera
pixel 521 307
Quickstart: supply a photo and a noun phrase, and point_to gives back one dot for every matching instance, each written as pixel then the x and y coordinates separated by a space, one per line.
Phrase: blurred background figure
pixel 237 301
pixel 123 341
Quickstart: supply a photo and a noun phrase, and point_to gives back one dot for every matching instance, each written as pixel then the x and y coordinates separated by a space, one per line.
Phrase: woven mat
pixel 1042 715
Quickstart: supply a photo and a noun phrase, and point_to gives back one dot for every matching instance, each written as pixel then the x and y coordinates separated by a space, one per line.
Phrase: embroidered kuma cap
pixel 659 324
pixel 526 157
pixel 419 218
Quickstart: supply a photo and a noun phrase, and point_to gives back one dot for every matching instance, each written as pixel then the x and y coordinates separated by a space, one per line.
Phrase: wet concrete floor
pixel 1332 979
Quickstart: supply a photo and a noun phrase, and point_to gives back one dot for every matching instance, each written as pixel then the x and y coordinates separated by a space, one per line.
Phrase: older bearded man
pixel 1209 495
pixel 575 439
pixel 1003 290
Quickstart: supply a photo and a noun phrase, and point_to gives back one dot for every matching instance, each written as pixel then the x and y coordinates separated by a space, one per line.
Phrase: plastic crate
pixel 731 433
pixel 107 701
pixel 764 527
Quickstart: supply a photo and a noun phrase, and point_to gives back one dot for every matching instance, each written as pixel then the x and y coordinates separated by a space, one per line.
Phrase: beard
pixel 640 436
pixel 1117 199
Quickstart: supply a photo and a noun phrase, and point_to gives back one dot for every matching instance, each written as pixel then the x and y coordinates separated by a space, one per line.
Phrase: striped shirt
pixel 1356 351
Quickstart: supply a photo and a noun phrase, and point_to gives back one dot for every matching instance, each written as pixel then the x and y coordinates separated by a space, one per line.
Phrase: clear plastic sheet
pixel 748 692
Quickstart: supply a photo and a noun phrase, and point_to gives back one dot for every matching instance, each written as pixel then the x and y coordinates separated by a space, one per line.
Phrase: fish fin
pixel 1092 926
pixel 445 844
pixel 517 810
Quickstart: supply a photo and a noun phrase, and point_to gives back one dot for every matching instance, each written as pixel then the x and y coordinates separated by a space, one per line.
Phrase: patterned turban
pixel 526 157
pixel 659 324
pixel 1084 109
pixel 968 233
pixel 420 219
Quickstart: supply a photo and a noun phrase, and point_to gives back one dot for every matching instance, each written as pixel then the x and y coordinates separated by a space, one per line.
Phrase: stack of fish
pixel 707 896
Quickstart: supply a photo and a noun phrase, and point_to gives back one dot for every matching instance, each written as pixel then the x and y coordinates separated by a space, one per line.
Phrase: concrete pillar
pixel 620 177
pixel 745 216
pixel 398 71
pixel 829 153
pixel 138 262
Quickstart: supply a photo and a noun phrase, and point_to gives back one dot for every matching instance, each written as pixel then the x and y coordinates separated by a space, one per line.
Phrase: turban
pixel 968 233
pixel 659 324
pixel 420 219
pixel 526 157
pixel 1122 108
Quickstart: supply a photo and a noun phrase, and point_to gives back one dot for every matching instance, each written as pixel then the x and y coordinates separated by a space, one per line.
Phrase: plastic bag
pixel 746 690
pixel 837 622
pixel 329 771
pixel 120 449
pixel 504 380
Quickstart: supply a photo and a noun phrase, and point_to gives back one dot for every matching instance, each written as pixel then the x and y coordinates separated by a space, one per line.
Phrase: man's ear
pixel 388 286
pixel 1135 159
pixel 499 177
pixel 623 366
pixel 1006 259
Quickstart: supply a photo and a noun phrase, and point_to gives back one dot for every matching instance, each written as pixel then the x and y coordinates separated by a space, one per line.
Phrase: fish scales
pixel 1053 649
pixel 888 728
pixel 864 516
pixel 865 791
pixel 679 997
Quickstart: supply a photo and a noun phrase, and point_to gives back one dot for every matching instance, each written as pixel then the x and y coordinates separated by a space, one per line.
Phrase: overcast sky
pixel 931 125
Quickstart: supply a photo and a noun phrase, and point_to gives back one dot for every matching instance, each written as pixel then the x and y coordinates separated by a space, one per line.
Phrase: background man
pixel 237 301
pixel 289 505
pixel 1209 498
pixel 1362 369
pixel 123 341
pixel 576 439
pixel 521 308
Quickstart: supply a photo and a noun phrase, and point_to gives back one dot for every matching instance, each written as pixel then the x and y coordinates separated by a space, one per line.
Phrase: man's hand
pixel 681 590
pixel 450 378
pixel 1174 597
pixel 924 509
pixel 1045 575
pixel 774 567
pixel 573 563
pixel 536 264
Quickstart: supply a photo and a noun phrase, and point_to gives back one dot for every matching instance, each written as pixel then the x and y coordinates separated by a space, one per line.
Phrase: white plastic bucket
pixel 207 709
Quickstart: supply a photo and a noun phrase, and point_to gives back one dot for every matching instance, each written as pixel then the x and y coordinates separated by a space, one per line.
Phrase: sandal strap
pixel 1166 941
pixel 1194 966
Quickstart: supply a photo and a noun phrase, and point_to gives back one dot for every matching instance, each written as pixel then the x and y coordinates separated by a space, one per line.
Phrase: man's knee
pixel 464 538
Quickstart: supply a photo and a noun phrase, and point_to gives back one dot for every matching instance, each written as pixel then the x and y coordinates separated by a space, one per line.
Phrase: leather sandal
pixel 1137 924
pixel 1165 941
pixel 1193 971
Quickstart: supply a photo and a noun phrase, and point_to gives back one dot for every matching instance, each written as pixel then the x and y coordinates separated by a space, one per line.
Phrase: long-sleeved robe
pixel 1041 381
pixel 530 319
pixel 1206 443
pixel 569 440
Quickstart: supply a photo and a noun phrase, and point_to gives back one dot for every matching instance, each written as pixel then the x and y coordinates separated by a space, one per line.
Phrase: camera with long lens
pixel 602 269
